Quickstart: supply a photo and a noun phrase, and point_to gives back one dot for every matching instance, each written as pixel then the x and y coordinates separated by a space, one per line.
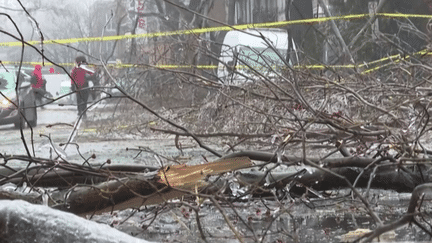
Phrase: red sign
pixel 140 9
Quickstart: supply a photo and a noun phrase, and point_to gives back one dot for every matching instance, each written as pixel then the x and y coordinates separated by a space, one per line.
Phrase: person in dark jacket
pixel 80 84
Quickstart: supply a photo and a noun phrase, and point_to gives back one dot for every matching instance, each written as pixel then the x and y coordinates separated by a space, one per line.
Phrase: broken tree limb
pixel 119 189
pixel 187 177
pixel 384 178
pixel 139 189
pixel 209 135
pixel 82 199
pixel 352 161
pixel 65 175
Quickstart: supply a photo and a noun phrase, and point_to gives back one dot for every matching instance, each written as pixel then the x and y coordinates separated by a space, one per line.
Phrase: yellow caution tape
pixel 36 63
pixel 394 59
pixel 220 28
pixel 118 65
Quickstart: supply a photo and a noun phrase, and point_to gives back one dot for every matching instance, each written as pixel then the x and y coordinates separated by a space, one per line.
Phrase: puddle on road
pixel 322 224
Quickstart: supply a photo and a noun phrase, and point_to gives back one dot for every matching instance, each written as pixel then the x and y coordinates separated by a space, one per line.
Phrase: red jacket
pixel 36 78
pixel 78 75
pixel 37 81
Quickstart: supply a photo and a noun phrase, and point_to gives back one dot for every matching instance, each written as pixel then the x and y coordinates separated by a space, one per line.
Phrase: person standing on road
pixel 80 84
pixel 38 84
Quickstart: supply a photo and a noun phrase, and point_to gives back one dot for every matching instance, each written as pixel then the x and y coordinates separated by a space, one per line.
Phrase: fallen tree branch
pixel 209 135
pixel 418 192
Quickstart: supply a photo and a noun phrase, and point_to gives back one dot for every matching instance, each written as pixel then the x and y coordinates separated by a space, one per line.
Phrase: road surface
pixel 89 141
pixel 11 141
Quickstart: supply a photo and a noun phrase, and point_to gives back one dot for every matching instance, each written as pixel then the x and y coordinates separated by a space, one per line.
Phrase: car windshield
pixel 258 58
pixel 7 80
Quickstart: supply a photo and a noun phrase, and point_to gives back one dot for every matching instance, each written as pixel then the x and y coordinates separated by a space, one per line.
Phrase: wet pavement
pixel 89 140
pixel 290 221
pixel 286 221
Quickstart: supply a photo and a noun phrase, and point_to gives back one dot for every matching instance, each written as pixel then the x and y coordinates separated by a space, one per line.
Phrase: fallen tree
pixel 123 186
pixel 290 136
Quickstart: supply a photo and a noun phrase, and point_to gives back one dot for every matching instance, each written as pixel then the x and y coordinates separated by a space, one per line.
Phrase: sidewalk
pixel 54 106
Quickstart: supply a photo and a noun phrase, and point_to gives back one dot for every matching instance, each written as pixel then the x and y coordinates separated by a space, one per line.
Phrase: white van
pixel 248 48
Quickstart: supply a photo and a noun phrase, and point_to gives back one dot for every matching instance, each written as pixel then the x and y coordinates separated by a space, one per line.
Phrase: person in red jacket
pixel 80 84
pixel 38 84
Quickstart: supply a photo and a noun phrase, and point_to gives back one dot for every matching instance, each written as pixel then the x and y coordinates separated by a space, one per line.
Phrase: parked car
pixel 248 48
pixel 11 108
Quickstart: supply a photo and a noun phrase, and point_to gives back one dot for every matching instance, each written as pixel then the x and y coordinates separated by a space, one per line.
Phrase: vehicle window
pixel 7 80
pixel 261 57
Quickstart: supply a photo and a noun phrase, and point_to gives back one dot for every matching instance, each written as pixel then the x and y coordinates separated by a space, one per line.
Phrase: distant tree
pixel 399 35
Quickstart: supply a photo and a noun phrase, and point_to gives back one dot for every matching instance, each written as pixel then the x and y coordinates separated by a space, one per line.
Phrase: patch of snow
pixel 21 221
